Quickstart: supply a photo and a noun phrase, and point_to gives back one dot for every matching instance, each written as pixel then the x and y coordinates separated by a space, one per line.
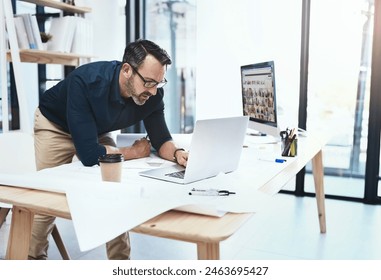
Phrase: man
pixel 75 116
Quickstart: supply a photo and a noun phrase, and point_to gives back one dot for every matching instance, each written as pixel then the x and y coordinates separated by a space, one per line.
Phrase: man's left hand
pixel 182 157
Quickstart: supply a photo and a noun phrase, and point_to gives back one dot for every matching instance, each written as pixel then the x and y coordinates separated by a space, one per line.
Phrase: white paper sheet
pixel 102 210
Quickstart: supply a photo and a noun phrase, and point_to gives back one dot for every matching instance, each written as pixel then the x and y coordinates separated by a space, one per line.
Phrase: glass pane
pixel 172 25
pixel 338 89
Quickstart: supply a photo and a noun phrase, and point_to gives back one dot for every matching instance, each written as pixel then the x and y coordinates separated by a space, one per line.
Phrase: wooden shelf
pixel 49 57
pixel 59 5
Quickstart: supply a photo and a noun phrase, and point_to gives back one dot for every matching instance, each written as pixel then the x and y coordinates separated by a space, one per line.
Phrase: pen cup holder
pixel 289 147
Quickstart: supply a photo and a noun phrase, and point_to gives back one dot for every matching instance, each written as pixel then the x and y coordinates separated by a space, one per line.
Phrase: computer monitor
pixel 259 97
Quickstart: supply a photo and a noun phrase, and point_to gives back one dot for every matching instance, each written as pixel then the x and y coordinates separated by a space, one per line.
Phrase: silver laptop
pixel 215 148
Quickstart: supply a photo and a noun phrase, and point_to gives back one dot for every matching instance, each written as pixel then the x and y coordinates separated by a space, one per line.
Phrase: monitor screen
pixel 259 97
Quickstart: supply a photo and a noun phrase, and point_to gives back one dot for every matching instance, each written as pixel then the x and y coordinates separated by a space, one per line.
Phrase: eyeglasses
pixel 150 84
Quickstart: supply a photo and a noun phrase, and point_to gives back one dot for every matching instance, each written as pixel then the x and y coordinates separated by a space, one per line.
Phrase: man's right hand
pixel 142 148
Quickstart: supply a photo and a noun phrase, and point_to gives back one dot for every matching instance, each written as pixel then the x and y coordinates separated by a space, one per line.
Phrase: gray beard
pixel 132 92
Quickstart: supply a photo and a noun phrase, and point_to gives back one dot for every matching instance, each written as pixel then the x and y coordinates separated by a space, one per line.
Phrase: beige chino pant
pixel 54 147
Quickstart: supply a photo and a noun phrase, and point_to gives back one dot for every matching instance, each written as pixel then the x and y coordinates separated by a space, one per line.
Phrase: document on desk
pixel 100 210
pixel 103 215
pixel 103 210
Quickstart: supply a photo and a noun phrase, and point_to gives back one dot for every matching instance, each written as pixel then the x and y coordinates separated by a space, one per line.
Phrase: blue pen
pixel 278 160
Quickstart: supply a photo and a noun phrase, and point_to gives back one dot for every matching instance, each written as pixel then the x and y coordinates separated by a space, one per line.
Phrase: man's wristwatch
pixel 174 154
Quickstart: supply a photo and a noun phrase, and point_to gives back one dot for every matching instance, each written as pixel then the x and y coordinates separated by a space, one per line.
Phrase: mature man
pixel 75 117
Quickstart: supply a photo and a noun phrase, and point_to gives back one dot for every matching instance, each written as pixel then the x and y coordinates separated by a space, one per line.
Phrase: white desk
pixel 205 231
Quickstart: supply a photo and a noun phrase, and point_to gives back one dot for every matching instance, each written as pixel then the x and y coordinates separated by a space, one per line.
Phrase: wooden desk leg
pixel 20 233
pixel 208 251
pixel 318 173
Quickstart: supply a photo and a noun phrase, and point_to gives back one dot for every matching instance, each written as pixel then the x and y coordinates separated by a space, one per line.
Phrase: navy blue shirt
pixel 88 103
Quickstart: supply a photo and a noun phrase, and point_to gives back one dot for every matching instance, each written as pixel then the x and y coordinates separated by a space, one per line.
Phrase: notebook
pixel 216 147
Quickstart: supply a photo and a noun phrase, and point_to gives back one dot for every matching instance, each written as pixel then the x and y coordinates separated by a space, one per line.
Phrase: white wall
pixel 109 28
pixel 235 33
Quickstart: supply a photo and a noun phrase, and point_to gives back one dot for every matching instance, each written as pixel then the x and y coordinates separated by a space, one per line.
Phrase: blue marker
pixel 278 160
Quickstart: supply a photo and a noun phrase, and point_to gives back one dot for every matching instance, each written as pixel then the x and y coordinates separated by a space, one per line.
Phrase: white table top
pixel 123 206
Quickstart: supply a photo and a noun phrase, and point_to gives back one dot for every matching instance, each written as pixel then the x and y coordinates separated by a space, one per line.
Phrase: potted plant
pixel 45 37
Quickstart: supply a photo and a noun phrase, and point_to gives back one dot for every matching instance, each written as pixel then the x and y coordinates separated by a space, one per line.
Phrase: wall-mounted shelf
pixel 49 57
pixel 59 5
pixel 17 56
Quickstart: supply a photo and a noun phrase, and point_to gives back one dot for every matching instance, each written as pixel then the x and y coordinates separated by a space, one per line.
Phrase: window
pixel 172 25
pixel 340 56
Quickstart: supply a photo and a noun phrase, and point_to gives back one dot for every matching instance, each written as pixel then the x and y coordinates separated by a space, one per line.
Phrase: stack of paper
pixel 71 34
pixel 62 30
pixel 83 37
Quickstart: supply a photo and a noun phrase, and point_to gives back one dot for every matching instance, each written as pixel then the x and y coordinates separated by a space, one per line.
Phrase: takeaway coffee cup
pixel 111 167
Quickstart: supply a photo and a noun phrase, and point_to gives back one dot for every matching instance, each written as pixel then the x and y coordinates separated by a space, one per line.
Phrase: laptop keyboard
pixel 177 174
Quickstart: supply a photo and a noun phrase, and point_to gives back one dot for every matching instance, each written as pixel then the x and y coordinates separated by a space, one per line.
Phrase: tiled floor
pixel 288 229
